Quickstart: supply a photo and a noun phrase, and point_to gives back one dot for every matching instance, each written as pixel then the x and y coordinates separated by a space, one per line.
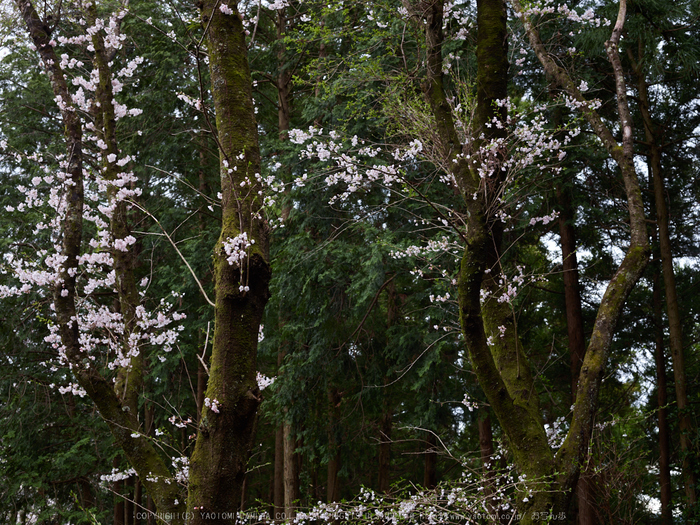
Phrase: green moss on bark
pixel 218 464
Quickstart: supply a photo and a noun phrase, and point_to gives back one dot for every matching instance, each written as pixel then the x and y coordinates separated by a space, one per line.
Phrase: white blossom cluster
pixel 237 248
pixel 212 404
pixel 182 469
pixel 102 331
pixel 118 475
pixel 463 501
pixel 547 7
pixel 263 381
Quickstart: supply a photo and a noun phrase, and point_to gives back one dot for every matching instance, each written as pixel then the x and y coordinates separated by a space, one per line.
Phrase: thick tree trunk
pixel 219 460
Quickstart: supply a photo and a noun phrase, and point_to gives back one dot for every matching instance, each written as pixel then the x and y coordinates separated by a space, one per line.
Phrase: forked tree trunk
pixel 116 409
pixel 502 367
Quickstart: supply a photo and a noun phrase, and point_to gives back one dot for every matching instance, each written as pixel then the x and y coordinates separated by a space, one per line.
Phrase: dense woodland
pixel 418 261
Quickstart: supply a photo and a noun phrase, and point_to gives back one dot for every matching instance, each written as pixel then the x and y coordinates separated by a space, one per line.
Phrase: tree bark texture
pixel 218 463
pixel 501 367
pixel 115 410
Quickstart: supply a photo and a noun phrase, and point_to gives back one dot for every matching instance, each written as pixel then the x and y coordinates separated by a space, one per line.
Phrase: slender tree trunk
pixel 332 487
pixel 572 293
pixel 574 326
pixel 385 451
pixel 284 78
pixel 291 473
pixel 203 338
pixel 118 489
pixel 138 501
pixel 661 389
pixel 488 472
pixel 244 492
pixel 86 498
pixel 685 424
pixel 129 501
pixel 151 507
pixel 430 466
pixel 278 482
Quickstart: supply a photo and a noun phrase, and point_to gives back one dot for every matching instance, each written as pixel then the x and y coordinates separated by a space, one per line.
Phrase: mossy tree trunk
pixel 115 410
pixel 575 446
pixel 129 381
pixel 500 364
pixel 226 428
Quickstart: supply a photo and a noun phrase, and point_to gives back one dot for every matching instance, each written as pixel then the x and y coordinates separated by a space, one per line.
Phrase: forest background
pixel 460 237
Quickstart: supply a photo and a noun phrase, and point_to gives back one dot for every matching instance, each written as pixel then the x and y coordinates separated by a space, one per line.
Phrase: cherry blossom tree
pixel 88 201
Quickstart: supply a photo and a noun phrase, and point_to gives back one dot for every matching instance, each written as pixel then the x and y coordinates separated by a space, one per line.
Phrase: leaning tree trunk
pixel 242 274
